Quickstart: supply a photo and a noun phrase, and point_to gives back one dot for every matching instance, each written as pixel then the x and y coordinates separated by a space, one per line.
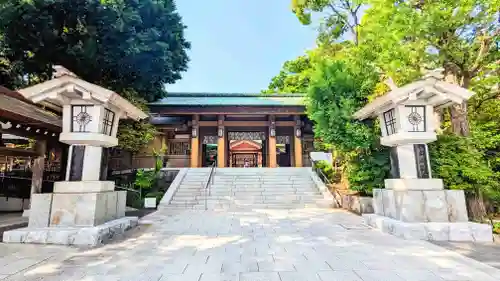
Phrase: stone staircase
pixel 191 192
pixel 243 188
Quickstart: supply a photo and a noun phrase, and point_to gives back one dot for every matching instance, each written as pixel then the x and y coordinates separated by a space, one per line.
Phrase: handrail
pixel 326 180
pixel 210 181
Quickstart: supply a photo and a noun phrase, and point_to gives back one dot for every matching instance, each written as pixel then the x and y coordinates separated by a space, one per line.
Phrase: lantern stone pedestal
pixel 424 212
pixel 84 209
pixel 414 205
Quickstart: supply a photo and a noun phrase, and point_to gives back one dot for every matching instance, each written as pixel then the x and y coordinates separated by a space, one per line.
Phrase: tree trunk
pixel 475 205
pixel 460 127
pixel 459 122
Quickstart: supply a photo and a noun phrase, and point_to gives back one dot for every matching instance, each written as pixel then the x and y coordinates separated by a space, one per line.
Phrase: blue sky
pixel 239 45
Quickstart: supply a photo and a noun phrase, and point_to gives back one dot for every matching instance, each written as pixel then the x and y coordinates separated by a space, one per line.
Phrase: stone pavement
pixel 488 253
pixel 256 245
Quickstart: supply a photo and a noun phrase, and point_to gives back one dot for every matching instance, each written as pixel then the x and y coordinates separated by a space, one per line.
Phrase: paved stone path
pixel 258 245
pixel 488 253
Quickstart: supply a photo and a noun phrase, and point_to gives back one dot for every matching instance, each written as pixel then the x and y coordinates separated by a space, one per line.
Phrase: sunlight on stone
pixel 45 269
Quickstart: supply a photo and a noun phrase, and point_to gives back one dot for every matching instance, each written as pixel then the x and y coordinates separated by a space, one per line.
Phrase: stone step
pixel 250 197
pixel 259 190
pixel 265 187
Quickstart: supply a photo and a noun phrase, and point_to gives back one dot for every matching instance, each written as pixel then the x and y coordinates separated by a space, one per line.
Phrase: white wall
pixel 9 204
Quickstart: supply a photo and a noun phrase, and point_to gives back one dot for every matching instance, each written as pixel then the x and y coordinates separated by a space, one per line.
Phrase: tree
pixel 132 47
pixel 295 75
pixel 338 89
pixel 461 36
pixel 342 17
pixel 120 45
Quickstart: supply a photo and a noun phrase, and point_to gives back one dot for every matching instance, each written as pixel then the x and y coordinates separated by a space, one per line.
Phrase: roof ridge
pixel 227 94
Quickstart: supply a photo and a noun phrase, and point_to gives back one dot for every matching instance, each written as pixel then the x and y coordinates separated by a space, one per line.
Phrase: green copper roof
pixel 230 99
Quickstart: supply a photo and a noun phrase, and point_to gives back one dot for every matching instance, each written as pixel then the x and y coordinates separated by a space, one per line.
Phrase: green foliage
pixel 339 17
pixel 144 179
pixel 131 47
pixel 336 91
pixel 399 41
pixel 133 136
pixel 461 163
pixel 458 35
pixel 293 78
pixel 496 227
pixel 118 44
pixel 328 170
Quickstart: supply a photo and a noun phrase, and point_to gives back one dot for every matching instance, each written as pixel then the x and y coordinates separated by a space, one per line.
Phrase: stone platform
pixel 78 236
pixel 433 231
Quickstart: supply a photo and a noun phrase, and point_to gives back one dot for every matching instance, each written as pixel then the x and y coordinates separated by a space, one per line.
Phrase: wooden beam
pixel 285 123
pixel 195 143
pixel 246 123
pixel 221 144
pixel 208 123
pixel 235 110
pixel 272 143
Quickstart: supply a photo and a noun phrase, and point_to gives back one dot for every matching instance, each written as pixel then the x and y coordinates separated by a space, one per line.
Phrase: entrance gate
pixel 247 146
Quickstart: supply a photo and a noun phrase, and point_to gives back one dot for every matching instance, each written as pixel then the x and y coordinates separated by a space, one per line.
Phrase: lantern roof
pixel 66 86
pixel 430 90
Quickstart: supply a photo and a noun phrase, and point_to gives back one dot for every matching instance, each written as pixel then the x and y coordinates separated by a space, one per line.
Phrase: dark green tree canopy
pixel 118 44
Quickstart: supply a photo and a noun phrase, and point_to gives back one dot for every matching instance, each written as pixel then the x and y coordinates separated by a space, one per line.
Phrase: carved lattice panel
pixel 178 148
pixel 210 139
pixel 246 136
pixel 283 139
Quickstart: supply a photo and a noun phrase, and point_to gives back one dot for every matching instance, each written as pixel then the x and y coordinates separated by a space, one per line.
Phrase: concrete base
pixel 78 236
pixel 357 204
pixel 12 204
pixel 435 231
pixel 414 184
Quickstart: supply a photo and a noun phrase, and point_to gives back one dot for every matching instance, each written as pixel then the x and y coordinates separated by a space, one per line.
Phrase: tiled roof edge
pixel 200 94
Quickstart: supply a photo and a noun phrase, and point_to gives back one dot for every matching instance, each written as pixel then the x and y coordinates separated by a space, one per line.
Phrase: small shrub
pixel 496 227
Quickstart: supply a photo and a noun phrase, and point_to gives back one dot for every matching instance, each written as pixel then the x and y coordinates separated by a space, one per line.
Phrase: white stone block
pixel 378 204
pixel 460 232
pixel 409 206
pixel 83 186
pixel 40 210
pixel 121 201
pixel 389 203
pixel 414 184
pixel 11 204
pixel 150 202
pixel 481 232
pixel 437 231
pixel 457 210
pixel 83 209
pixel 69 210
pixel 111 204
pixel 435 206
pixel 80 236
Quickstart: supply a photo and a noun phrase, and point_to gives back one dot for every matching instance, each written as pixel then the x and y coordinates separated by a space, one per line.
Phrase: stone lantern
pixel 414 205
pixel 84 209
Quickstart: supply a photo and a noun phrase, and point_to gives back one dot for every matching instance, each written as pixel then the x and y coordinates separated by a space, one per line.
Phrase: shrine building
pixel 197 129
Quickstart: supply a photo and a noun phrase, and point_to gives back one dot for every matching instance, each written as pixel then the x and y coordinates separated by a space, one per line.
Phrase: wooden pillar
pixel 221 143
pixel 195 142
pixel 38 167
pixel 297 142
pixel 272 142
